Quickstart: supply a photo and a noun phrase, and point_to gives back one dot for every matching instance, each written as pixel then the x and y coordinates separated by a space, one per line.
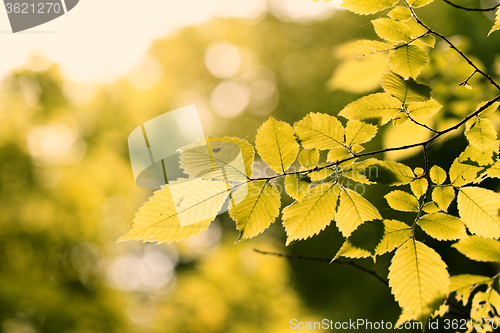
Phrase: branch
pixel 327 260
pixel 471 9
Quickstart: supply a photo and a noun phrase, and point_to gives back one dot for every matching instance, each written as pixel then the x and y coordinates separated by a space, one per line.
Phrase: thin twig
pixel 327 260
pixel 471 9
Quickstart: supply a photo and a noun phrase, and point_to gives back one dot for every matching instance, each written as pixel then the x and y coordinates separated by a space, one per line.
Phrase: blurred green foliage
pixel 67 191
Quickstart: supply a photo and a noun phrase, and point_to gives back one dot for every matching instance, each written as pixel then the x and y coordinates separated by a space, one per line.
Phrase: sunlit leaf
pixel 419 3
pixel 427 40
pixel 424 109
pixel 365 7
pixel 276 144
pixel 375 108
pixel 297 186
pixel 418 279
pixel 496 26
pixel 419 187
pixel 484 310
pixel 479 248
pixel 226 158
pixel 309 158
pixel 438 175
pixel 405 90
pixel 375 238
pixel 320 131
pixel 431 207
pixel 371 46
pixel 353 211
pixel 255 209
pixel 479 209
pixel 360 171
pixel 408 60
pixel 403 201
pixel 442 226
pixel 482 134
pixel 489 110
pixel 469 166
pixel 314 213
pixel 392 30
pixel 400 13
pixel 464 285
pixel 159 220
pixel 357 132
pixel 390 173
pixel 443 196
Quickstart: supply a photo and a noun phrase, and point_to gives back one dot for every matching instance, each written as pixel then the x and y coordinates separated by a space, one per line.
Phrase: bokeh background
pixel 67 192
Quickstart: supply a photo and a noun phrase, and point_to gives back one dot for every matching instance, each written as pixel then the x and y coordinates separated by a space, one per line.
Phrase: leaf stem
pixel 471 9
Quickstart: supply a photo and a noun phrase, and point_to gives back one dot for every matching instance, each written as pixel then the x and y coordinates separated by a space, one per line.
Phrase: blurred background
pixel 67 191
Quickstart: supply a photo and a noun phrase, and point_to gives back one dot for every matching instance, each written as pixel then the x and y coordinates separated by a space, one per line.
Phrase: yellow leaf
pixel 314 213
pixel 255 209
pixel 400 13
pixel 479 209
pixel 442 226
pixel 424 109
pixel 479 248
pixel 276 144
pixel 309 158
pixel 438 175
pixel 297 186
pixel 376 108
pixel 392 30
pixel 400 200
pixel 443 196
pixel 357 132
pixel 408 60
pixel 365 7
pixel 419 187
pixel 465 284
pixel 496 26
pixel 482 134
pixel 353 211
pixel 320 131
pixel 418 279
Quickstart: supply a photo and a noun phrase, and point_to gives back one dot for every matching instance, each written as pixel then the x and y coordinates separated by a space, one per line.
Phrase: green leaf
pixel 276 144
pixel 224 158
pixel 479 209
pixel 400 200
pixel 442 226
pixel 357 132
pixel 365 7
pixel 418 279
pixel 496 26
pixel 353 211
pixel 419 187
pixel 371 46
pixel 465 284
pixel 392 30
pixel 419 3
pixel 374 238
pixel 479 248
pixel 438 175
pixel 314 213
pixel 320 131
pixel 482 134
pixel 406 91
pixel 443 196
pixel 309 158
pixel 297 186
pixel 390 173
pixel 400 13
pixel 408 60
pixel 484 309
pixel 469 166
pixel 424 109
pixel 257 206
pixel 375 108
pixel 159 220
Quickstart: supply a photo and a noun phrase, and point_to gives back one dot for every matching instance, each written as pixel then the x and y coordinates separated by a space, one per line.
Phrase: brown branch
pixel 326 260
pixel 471 9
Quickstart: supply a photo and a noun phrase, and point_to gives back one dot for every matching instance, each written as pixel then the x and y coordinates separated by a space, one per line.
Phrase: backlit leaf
pixel 482 134
pixel 320 131
pixel 375 108
pixel 479 209
pixel 403 201
pixel 443 196
pixel 496 26
pixel 424 109
pixel 390 173
pixel 484 310
pixel 469 166
pixel 309 158
pixel 256 208
pixel 419 187
pixel 400 13
pixel 365 7
pixel 408 60
pixel 419 3
pixel 438 175
pixel 314 213
pixel 405 90
pixel 418 279
pixel 479 248
pixel 297 186
pixel 392 30
pixel 276 144
pixel 464 285
pixel 430 207
pixel 375 238
pixel 353 211
pixel 371 46
pixel 357 132
pixel 442 226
